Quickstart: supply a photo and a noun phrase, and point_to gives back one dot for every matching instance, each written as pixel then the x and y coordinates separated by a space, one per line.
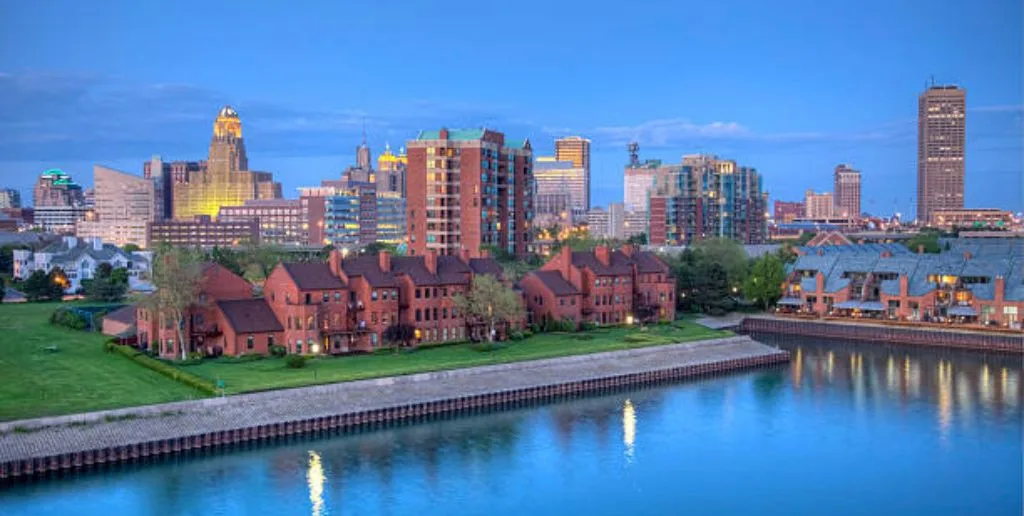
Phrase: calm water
pixel 844 429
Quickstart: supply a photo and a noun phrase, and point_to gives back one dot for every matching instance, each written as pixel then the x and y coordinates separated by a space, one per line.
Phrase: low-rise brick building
pixel 603 286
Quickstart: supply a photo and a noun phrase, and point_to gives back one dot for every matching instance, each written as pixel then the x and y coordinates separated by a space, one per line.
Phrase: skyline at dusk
pixel 793 96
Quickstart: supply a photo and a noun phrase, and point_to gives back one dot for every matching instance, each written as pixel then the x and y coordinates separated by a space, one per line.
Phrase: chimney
pixel 821 252
pixel 443 134
pixel 603 255
pixel 920 248
pixel 97 243
pixel 565 259
pixel 628 250
pixel 71 242
pixel 334 262
pixel 904 285
pixel 886 254
pixel 999 289
pixel 967 255
pixel 819 282
pixel 384 261
pixel 430 260
pixel 464 255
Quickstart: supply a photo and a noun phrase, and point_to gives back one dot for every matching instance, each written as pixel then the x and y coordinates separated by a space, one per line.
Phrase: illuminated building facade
pixel 227 180
pixel 576 150
pixel 562 187
pixel 125 203
pixel 707 197
pixel 469 188
pixel 391 169
pixel 58 202
pixel 281 221
pixel 819 205
pixel 977 218
pixel 202 231
pixel 10 198
pixel 787 211
pixel 940 150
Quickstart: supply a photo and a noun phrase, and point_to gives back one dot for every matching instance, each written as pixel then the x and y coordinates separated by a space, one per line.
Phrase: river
pixel 845 428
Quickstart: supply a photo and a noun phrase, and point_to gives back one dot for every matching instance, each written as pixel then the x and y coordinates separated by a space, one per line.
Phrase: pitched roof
pixel 313 276
pixel 125 314
pixel 645 261
pixel 555 283
pixel 249 315
pixel 450 270
pixel 589 260
pixel 486 266
pixel 369 269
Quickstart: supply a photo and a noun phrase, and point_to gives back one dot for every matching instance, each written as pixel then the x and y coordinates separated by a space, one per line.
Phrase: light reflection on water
pixel 895 430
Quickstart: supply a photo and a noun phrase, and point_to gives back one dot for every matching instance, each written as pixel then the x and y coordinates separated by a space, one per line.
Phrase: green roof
pixel 516 143
pixel 453 134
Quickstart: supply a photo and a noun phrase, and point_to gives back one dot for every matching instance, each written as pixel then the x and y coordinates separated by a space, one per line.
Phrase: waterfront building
pixel 204 232
pixel 818 205
pixel 601 286
pixel 786 211
pixel 346 304
pixel 391 170
pixel 469 188
pixel 10 198
pixel 576 149
pixel 846 192
pixel 125 203
pixel 562 187
pixel 941 134
pixel 707 197
pixel 281 221
pixel 58 202
pixel 977 218
pixel 977 281
pixel 79 258
pixel 226 180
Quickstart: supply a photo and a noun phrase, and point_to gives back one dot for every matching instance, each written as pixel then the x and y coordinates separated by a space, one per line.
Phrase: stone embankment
pixel 33 447
pixel 1002 342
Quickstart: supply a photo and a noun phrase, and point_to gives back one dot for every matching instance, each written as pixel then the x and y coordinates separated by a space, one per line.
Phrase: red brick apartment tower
pixel 465 190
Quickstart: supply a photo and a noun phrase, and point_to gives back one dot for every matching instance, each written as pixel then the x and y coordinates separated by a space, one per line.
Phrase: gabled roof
pixel 369 269
pixel 554 282
pixel 125 314
pixel 450 270
pixel 646 261
pixel 486 266
pixel 589 260
pixel 313 276
pixel 249 315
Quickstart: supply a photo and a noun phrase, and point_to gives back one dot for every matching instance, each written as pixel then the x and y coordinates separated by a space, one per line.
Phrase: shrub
pixel 516 335
pixel 296 361
pixel 167 370
pixel 588 326
pixel 195 355
pixel 635 338
pixel 247 357
pixel 68 319
pixel 528 333
pixel 110 346
pixel 278 351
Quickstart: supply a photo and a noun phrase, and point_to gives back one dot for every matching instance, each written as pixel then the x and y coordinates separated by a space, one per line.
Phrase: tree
pixel 711 289
pixel 41 286
pixel 727 253
pixel 638 239
pixel 489 303
pixel 131 248
pixel 3 289
pixel 177 276
pixel 928 240
pixel 764 283
pixel 7 257
pixel 401 334
pixel 228 258
pixel 805 237
pixel 375 248
pixel 109 285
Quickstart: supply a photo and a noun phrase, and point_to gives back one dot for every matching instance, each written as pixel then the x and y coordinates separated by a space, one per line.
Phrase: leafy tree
pixel 228 258
pixel 375 248
pixel 131 248
pixel 489 303
pixel 711 289
pixel 3 289
pixel 109 285
pixel 928 239
pixel 786 253
pixel 640 239
pixel 7 257
pixel 400 334
pixel 41 286
pixel 764 283
pixel 727 253
pixel 177 276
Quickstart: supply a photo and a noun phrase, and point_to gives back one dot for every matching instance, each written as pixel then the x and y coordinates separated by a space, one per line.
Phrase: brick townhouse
pixel 602 286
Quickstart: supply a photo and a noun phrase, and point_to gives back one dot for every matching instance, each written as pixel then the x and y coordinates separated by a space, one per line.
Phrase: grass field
pixel 79 377
pixel 273 373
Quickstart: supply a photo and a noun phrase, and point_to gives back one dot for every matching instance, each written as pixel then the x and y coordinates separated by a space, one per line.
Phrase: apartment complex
pixel 204 232
pixel 354 214
pixel 469 188
pixel 226 180
pixel 940 150
pixel 846 192
pixel 281 221
pixel 819 205
pixel 125 204
pixel 391 169
pixel 601 286
pixel 786 211
pixel 707 197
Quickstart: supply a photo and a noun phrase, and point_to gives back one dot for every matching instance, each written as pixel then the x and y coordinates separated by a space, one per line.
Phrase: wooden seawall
pixel 74 442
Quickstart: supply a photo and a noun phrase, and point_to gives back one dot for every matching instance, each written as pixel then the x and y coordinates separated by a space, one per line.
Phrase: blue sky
pixel 789 87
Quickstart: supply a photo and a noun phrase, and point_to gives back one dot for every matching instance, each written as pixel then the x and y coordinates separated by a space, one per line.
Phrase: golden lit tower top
pixel 227 123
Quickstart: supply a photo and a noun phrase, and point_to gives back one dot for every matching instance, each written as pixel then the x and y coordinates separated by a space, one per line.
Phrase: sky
pixel 792 88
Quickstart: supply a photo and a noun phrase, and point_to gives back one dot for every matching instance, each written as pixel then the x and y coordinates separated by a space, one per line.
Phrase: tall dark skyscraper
pixel 940 150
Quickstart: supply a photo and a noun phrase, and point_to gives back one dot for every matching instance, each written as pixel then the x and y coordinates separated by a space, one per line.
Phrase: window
pixel 337 297
pixel 270 341
pixel 572 301
pixel 419 315
pixel 394 294
pixel 435 291
pixel 169 346
pixel 426 314
pixel 289 322
pixel 426 293
pixel 444 291
pixel 250 341
pixel 373 339
pixel 373 295
pixel 417 293
pixel 561 301
pixel 384 294
pixel 444 334
pixel 326 297
pixel 309 298
pixel 309 322
pixel 435 314
pixel 597 283
pixel 455 312
pixel 444 313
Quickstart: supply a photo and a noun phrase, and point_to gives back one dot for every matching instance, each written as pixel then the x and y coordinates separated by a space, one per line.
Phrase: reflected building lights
pixel 315 481
pixel 1010 389
pixel 890 376
pixel 945 398
pixel 629 428
pixel 798 367
pixel 963 393
pixel 831 365
pixel 985 387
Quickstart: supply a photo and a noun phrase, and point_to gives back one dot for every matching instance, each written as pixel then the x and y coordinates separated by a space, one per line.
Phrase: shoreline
pixel 32 447
pixel 952 338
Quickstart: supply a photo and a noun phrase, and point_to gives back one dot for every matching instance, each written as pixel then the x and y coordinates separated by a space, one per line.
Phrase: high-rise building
pixel 634 223
pixel 281 221
pixel 598 225
pixel 125 203
pixel 941 121
pixel 846 192
pixel 469 188
pixel 576 149
pixel 638 183
pixel 708 197
pixel 167 174
pixel 787 211
pixel 10 198
pixel 617 219
pixel 58 202
pixel 354 215
pixel 227 180
pixel 391 171
pixel 561 187
pixel 818 205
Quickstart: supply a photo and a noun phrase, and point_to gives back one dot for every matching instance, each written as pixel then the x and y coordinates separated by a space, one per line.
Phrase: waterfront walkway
pixel 28 439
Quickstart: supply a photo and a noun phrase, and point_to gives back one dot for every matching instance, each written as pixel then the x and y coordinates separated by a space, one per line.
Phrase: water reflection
pixel 315 480
pixel 628 428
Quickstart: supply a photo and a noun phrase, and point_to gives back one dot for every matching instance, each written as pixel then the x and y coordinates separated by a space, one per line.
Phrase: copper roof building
pixel 940 150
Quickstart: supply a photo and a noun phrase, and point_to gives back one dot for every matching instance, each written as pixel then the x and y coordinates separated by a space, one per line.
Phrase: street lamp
pixel 629 319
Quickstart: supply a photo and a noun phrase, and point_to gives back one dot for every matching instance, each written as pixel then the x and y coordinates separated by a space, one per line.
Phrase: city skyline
pixel 100 102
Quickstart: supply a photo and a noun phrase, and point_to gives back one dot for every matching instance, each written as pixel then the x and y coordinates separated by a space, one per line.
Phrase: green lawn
pixel 272 373
pixel 79 377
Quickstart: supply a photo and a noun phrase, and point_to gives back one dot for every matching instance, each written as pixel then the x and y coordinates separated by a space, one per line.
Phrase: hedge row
pixel 166 369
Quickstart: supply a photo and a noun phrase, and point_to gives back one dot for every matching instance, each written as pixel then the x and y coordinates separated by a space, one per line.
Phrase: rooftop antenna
pixel 364 130
pixel 634 154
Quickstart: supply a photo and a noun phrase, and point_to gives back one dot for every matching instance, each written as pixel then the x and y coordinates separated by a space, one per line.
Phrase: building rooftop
pixel 249 315
pixel 453 134
pixel 313 276
pixel 555 283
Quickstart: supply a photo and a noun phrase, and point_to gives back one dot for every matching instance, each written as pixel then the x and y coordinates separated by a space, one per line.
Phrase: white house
pixel 79 258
